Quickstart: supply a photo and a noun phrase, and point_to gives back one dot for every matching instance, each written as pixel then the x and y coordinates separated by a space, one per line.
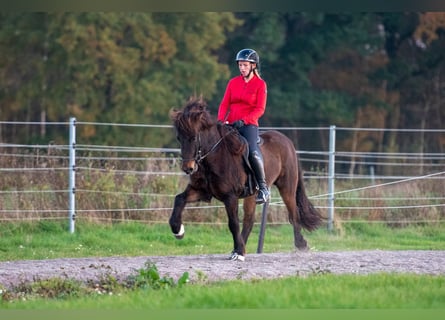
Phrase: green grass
pixel 378 291
pixel 46 240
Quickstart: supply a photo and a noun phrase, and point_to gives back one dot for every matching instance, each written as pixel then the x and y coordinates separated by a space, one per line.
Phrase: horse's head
pixel 189 123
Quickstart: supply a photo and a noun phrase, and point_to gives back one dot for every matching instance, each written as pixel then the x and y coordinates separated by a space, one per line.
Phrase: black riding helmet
pixel 251 56
pixel 248 55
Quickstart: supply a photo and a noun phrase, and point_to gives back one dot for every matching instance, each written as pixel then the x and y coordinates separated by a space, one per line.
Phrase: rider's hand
pixel 238 124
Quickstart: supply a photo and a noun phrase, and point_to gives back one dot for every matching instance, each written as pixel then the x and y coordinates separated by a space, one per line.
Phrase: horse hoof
pixel 181 233
pixel 235 256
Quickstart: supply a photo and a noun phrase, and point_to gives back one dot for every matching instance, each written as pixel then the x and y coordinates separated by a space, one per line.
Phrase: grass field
pixel 321 291
pixel 316 292
pixel 46 240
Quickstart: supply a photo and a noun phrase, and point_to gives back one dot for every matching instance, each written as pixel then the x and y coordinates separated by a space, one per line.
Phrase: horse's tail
pixel 310 217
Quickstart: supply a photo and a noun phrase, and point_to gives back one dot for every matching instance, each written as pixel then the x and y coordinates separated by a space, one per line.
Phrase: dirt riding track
pixel 218 267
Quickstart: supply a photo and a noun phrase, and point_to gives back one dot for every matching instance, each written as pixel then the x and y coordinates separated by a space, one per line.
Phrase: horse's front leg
pixel 239 248
pixel 181 199
pixel 249 207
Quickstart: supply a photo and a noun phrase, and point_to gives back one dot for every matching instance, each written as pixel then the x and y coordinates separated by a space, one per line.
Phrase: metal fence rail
pixel 42 162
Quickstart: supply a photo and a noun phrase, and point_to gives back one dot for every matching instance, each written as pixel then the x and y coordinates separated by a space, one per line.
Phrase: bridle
pixel 199 156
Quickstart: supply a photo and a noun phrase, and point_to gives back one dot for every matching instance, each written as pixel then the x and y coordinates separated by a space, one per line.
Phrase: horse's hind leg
pixel 288 195
pixel 299 241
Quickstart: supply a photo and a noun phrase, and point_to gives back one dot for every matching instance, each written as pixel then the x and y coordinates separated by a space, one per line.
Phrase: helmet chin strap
pixel 250 72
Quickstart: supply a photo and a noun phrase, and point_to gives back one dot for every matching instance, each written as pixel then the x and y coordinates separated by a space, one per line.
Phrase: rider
pixel 244 102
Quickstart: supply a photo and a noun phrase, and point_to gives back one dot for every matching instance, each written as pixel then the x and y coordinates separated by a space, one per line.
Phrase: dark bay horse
pixel 212 156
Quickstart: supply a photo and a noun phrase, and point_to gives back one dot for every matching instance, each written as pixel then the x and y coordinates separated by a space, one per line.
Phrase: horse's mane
pixel 194 117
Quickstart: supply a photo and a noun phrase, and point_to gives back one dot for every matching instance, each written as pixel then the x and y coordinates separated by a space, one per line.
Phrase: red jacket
pixel 243 101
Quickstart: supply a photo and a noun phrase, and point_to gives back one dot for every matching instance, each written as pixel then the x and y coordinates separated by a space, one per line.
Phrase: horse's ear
pixel 201 102
pixel 174 113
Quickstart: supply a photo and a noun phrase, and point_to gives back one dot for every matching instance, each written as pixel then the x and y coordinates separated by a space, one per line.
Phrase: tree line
pixel 379 70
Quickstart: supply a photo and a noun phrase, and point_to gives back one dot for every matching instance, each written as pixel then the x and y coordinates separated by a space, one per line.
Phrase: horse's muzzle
pixel 189 166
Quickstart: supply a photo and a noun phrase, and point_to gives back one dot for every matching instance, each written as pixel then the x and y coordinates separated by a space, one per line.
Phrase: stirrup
pixel 262 196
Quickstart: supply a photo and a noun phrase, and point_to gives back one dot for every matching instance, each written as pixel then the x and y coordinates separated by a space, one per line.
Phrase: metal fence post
pixel 331 178
pixel 72 174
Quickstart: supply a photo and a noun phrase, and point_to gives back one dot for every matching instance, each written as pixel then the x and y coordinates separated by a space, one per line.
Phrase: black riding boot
pixel 257 163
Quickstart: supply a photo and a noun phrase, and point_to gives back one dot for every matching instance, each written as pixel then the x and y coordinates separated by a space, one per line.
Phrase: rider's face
pixel 245 67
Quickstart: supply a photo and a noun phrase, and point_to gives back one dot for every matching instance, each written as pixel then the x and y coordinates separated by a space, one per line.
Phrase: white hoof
pixel 235 256
pixel 181 232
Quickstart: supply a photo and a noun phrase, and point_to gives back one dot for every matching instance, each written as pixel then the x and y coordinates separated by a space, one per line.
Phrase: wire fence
pixel 112 183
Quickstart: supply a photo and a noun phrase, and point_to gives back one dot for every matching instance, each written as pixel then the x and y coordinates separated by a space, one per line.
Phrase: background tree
pixel 414 45
pixel 350 70
pixel 353 70
pixel 107 67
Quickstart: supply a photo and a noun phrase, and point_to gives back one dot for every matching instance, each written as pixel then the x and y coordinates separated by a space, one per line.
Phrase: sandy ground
pixel 217 267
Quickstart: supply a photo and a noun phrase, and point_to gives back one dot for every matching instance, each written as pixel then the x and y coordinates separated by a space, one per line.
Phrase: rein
pixel 200 157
